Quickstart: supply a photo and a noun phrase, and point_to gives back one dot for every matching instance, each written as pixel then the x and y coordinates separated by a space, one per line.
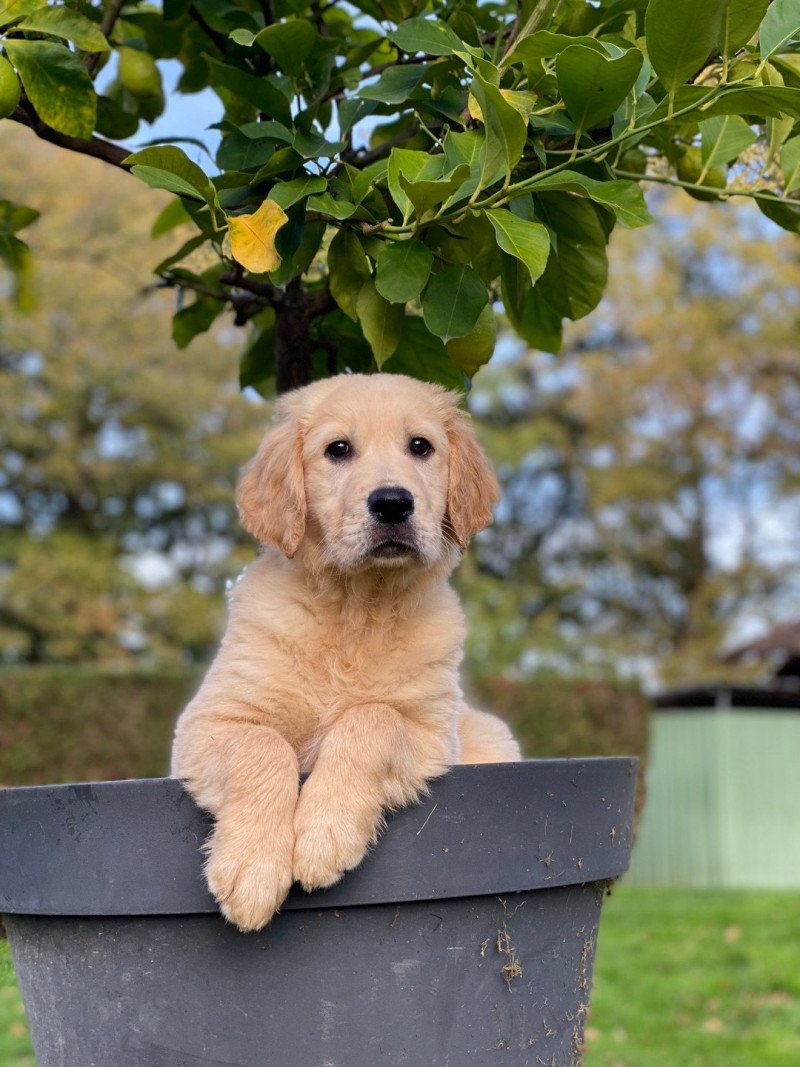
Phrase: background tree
pixel 651 501
pixel 390 168
pixel 118 452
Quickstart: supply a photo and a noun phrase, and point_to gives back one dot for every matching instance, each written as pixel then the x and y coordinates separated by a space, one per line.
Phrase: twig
pixel 110 17
pixel 722 194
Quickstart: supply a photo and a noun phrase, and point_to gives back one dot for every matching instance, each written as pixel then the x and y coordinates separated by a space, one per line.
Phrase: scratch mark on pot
pixel 433 809
pixel 327 1019
pixel 402 967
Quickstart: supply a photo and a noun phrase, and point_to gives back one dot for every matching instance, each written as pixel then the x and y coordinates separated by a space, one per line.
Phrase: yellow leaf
pixel 253 237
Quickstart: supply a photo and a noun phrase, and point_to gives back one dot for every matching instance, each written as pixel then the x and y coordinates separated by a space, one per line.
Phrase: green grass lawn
pixel 683 979
pixel 15 1045
pixel 696 979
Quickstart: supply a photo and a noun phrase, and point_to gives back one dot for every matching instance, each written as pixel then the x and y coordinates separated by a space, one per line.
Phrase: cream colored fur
pixel 335 661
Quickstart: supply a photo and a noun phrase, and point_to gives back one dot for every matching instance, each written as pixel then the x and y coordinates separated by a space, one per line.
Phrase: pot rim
pixel 132 847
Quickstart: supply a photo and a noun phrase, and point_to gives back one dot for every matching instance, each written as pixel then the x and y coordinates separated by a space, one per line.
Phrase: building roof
pixel 723 696
pixel 783 639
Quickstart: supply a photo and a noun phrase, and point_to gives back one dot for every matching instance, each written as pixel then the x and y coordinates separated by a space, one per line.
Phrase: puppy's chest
pixel 373 658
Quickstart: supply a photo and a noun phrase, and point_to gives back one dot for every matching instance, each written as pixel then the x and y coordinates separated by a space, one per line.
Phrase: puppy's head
pixel 373 470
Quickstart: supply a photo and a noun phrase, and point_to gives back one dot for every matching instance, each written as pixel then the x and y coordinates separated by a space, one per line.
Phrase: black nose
pixel 392 504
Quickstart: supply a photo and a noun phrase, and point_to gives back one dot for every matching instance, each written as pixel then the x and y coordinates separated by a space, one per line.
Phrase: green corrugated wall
pixel 723 800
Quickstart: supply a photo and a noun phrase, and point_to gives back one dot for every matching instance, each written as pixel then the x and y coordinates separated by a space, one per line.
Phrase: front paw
pixel 249 885
pixel 329 840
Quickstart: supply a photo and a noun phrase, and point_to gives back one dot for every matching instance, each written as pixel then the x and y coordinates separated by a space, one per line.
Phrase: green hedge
pixel 555 716
pixel 67 724
pixel 61 724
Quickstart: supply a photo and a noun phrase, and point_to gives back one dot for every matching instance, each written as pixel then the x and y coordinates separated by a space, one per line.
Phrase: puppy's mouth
pixel 393 549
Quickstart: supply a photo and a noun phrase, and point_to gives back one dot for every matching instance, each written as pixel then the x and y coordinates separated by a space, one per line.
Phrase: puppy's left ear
pixel 271 494
pixel 472 489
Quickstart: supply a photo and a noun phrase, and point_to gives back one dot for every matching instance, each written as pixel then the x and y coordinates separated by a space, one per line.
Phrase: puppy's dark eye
pixel 338 449
pixel 420 446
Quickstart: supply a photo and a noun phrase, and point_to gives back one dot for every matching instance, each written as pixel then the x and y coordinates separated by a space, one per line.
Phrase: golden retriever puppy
pixel 341 653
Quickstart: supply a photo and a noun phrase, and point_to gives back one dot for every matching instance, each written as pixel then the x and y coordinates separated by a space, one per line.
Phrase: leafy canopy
pixel 389 169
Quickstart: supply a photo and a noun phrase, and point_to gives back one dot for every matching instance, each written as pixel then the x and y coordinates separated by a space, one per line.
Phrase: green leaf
pixel 195 319
pixel 61 22
pixel 528 241
pixel 790 164
pixel 312 145
pixel 353 110
pixel 14 9
pixel 242 37
pixel 528 312
pixel 396 84
pixel 297 256
pixel 326 205
pixel 403 269
pixel 168 167
pixel 267 131
pixel 468 148
pixel 784 213
pixel 348 270
pixel 381 321
pixel 174 214
pixel 506 132
pixel 57 84
pixel 453 301
pixel 623 197
pixel 430 36
pixel 238 152
pixel 257 362
pixel 16 255
pixel 473 350
pixel 186 249
pixel 543 44
pixel 577 270
pixel 781 24
pixel 113 121
pixel 15 217
pixel 724 138
pixel 773 101
pixel 283 160
pixel 422 355
pixel 284 194
pixel 257 91
pixel 680 35
pixel 426 194
pixel 471 240
pixel 740 21
pixel 363 182
pixel 413 166
pixel 289 43
pixel 593 85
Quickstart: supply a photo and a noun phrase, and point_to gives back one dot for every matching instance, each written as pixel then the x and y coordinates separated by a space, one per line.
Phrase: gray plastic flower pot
pixel 466 937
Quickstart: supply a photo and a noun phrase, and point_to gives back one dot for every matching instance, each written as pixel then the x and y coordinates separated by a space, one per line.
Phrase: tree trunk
pixel 293 346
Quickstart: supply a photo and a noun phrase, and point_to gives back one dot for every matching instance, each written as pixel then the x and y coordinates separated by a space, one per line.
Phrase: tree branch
pixel 267 290
pixel 110 17
pixel 95 146
pixel 320 303
pixel 216 39
pixel 364 157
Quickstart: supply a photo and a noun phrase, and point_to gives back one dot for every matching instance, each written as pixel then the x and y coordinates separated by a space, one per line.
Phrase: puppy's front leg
pixel 247 776
pixel 371 759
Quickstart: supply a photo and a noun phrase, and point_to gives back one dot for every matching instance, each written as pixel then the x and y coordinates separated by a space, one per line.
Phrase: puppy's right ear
pixel 271 494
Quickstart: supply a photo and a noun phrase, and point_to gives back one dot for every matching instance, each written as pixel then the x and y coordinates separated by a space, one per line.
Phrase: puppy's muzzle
pixel 391 504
